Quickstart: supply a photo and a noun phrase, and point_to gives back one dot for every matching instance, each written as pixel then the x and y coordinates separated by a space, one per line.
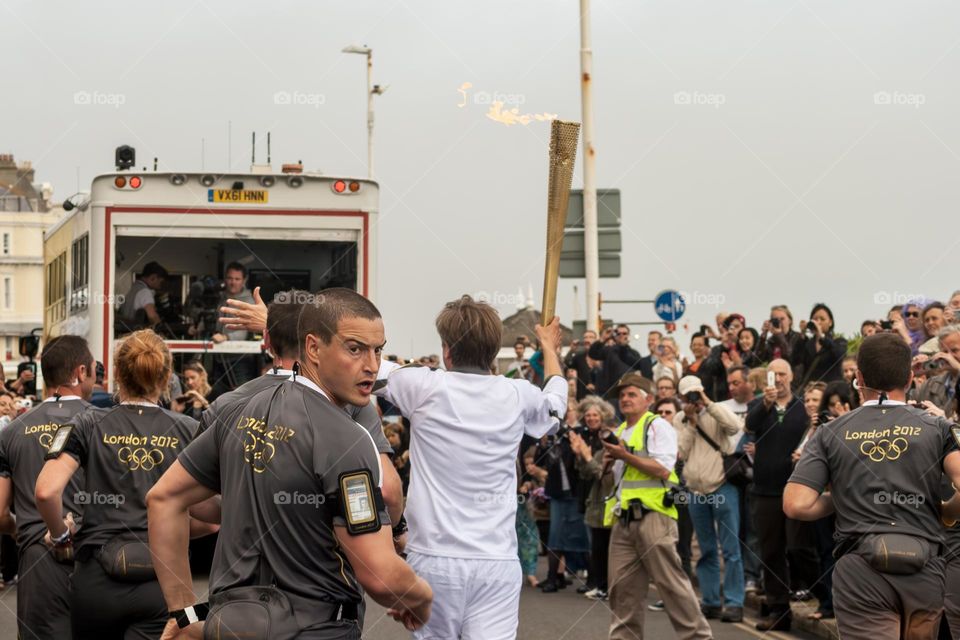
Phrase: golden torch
pixel 563 153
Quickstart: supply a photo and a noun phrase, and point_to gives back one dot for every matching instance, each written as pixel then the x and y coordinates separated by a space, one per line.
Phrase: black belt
pixel 635 511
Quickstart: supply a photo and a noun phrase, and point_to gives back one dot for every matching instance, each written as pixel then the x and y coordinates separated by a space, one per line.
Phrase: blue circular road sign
pixel 669 305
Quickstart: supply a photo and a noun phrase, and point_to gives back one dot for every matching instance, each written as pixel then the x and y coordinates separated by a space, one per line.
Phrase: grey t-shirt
pixel 366 416
pixel 124 451
pixel 23 444
pixel 885 464
pixel 276 459
pixel 243 296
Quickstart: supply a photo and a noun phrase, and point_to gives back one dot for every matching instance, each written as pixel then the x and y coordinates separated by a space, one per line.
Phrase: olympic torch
pixel 563 153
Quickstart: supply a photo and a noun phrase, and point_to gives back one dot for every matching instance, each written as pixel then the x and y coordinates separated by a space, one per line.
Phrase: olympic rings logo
pixel 258 452
pixel 884 449
pixel 140 458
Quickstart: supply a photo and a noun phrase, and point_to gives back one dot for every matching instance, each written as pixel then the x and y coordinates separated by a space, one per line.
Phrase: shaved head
pixel 784 376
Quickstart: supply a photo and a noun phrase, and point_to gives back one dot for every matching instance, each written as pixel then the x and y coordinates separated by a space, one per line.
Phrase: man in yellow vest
pixel 644 537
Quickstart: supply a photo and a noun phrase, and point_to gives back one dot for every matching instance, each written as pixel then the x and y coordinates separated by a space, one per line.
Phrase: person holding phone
pixel 778 421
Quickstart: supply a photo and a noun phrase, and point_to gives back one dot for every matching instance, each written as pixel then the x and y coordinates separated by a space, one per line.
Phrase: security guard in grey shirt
pixel 43 592
pixel 884 462
pixel 303 523
pixel 279 328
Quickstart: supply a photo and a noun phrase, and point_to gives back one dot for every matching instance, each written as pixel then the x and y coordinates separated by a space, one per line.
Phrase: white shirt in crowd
pixel 740 410
pixel 661 446
pixel 465 432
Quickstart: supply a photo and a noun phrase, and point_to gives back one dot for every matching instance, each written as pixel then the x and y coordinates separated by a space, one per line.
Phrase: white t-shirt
pixel 661 446
pixel 144 297
pixel 465 431
pixel 740 410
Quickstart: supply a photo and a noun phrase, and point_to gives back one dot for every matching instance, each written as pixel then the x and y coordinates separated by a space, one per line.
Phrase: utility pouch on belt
pixel 126 558
pixel 251 613
pixel 894 553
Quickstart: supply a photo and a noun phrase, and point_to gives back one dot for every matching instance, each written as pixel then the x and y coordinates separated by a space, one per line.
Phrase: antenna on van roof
pixel 268 147
pixel 253 150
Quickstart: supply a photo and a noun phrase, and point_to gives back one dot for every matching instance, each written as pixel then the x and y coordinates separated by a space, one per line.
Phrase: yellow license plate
pixel 237 195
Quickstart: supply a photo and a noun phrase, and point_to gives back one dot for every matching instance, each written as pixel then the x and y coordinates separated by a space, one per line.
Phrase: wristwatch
pixel 400 528
pixel 194 613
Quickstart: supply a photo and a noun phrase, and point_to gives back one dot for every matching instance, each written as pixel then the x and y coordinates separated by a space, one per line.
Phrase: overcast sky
pixel 787 152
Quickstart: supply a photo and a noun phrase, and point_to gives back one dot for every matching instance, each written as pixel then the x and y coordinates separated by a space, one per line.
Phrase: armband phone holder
pixel 59 442
pixel 358 501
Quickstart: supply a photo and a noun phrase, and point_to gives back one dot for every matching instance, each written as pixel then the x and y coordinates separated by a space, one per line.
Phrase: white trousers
pixel 472 599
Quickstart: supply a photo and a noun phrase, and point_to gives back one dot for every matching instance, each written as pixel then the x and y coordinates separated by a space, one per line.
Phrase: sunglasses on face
pixel 912 314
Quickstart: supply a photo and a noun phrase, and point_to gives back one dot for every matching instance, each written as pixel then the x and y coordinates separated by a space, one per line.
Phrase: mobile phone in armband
pixel 955 430
pixel 358 501
pixel 59 442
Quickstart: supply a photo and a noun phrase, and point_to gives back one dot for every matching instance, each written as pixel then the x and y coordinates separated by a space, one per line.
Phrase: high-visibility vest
pixel 637 485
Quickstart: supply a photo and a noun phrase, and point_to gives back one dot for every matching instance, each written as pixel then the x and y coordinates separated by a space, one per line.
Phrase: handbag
pixel 737 468
pixel 126 558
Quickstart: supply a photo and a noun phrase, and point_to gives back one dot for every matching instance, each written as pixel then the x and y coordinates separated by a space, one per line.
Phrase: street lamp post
pixel 372 90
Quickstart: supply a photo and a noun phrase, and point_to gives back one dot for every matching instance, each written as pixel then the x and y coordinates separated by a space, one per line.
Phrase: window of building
pixel 8 348
pixel 56 301
pixel 7 292
pixel 80 273
pixel 6 243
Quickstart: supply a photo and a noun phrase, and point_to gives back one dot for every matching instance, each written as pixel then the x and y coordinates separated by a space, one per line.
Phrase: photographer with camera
pixel 778 339
pixel 943 371
pixel 555 463
pixel 705 430
pixel 822 352
pixel 884 462
pixel 714 369
pixel 596 482
pixel 196 397
pixel 617 357
pixel 644 519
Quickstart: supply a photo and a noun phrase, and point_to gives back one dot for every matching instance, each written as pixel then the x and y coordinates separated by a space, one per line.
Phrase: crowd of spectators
pixel 752 392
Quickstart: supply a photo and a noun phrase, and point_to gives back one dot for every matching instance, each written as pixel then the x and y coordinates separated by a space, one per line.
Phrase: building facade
pixel 25 213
